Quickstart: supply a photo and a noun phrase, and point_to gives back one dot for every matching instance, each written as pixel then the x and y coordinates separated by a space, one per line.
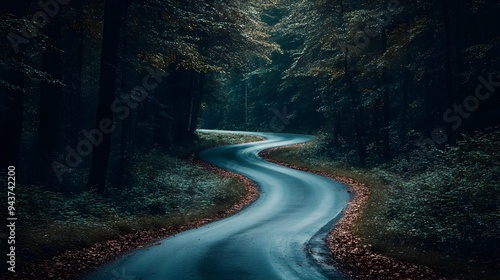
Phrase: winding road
pixel 279 236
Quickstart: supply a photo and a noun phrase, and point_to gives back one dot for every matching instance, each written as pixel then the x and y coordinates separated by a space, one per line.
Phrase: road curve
pixel 279 236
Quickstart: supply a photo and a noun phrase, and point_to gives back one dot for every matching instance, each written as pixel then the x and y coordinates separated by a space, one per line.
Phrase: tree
pixel 113 10
pixel 51 91
pixel 12 93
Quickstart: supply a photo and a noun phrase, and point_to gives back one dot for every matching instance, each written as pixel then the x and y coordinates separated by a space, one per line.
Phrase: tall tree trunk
pixel 190 96
pixel 461 40
pixel 358 111
pixel 12 103
pixel 375 127
pixel 407 86
pixel 246 103
pixel 11 120
pixel 74 123
pixel 386 128
pixel 168 130
pixel 337 128
pixel 113 10
pixel 429 104
pixel 126 124
pixel 51 93
pixel 183 106
pixel 448 75
pixel 197 100
pixel 358 129
pixel 386 146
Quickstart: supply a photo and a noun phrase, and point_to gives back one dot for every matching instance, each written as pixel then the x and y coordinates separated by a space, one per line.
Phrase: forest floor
pixel 98 236
pixel 380 236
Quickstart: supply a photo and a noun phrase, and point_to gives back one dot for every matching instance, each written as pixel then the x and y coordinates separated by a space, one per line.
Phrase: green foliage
pixel 203 35
pixel 23 58
pixel 446 216
pixel 369 74
pixel 451 208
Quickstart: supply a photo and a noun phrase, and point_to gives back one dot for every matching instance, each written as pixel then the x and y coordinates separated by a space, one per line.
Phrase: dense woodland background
pixel 408 88
pixel 68 77
pixel 374 77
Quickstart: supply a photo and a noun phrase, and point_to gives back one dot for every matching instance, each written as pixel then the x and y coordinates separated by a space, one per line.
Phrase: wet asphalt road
pixel 279 236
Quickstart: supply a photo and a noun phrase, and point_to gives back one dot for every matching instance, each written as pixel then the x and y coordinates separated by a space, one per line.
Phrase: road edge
pixel 350 257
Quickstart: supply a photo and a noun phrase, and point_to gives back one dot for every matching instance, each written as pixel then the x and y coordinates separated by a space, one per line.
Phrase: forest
pixel 101 103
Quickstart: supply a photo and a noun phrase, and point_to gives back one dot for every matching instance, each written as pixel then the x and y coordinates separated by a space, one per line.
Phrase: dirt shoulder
pixel 72 264
pixel 353 258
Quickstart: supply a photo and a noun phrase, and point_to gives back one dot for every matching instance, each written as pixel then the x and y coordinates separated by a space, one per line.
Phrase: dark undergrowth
pixel 445 216
pixel 159 189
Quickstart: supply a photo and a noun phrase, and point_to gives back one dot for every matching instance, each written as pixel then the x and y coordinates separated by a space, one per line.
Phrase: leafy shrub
pixel 453 207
